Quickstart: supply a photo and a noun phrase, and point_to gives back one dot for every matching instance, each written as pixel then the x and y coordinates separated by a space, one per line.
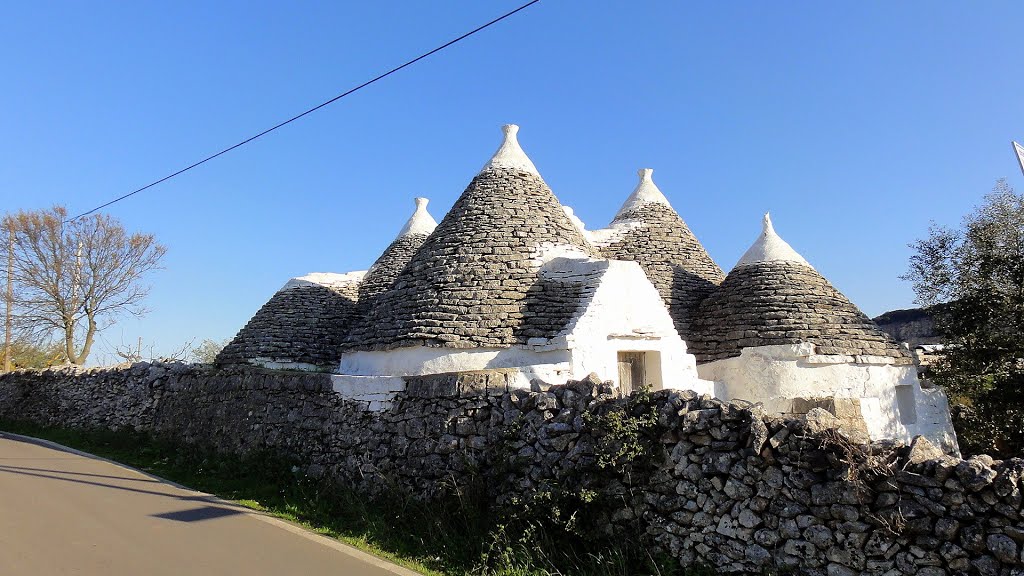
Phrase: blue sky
pixel 854 123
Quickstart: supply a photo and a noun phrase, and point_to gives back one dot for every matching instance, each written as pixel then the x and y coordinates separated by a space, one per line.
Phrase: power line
pixel 311 110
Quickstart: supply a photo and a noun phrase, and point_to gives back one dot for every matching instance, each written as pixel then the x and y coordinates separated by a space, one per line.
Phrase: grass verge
pixel 458 534
pixel 261 482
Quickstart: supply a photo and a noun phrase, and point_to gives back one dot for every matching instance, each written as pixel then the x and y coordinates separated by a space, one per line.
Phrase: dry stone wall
pixel 708 482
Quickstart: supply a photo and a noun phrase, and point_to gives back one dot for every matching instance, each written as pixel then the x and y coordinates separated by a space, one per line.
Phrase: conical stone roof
pixel 470 283
pixel 303 323
pixel 648 231
pixel 382 274
pixel 772 297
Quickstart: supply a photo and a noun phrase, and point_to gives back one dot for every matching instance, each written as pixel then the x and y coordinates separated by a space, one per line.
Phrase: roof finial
pixel 510 155
pixel 421 222
pixel 770 247
pixel 646 192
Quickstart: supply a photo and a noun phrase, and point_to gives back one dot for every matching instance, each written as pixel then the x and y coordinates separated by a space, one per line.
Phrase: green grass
pixel 456 534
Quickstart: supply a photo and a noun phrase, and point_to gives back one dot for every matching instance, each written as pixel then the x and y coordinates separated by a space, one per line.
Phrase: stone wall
pixel 716 483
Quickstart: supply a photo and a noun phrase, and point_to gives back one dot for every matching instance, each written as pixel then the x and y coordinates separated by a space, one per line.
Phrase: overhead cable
pixel 309 111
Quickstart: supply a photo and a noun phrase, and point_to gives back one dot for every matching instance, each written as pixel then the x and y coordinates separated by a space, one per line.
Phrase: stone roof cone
pixel 386 268
pixel 303 323
pixel 648 231
pixel 773 297
pixel 470 283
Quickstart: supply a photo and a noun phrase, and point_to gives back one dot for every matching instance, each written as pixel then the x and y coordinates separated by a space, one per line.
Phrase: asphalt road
pixel 69 513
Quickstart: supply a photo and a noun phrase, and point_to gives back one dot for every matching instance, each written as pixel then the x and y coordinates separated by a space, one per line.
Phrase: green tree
pixel 28 354
pixel 207 350
pixel 977 270
pixel 74 278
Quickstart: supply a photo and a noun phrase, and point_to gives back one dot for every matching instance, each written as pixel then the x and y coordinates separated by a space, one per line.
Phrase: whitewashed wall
pixel 774 375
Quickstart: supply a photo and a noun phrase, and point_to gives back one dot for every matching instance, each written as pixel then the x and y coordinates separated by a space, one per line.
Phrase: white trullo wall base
pixel 892 402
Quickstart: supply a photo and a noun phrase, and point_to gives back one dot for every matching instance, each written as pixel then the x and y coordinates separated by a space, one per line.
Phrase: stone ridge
pixel 671 256
pixel 781 302
pixel 382 274
pixel 301 324
pixel 470 283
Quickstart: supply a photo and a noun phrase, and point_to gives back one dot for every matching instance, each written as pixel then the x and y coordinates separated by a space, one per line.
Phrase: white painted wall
pixel 549 362
pixel 376 392
pixel 773 375
pixel 328 279
pixel 626 313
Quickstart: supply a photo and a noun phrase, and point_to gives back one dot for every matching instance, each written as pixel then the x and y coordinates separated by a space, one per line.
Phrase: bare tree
pixel 75 278
pixel 141 353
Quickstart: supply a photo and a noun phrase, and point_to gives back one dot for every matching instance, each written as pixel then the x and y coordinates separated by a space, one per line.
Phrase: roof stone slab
pixel 387 267
pixel 385 270
pixel 471 283
pixel 303 323
pixel 784 302
pixel 648 231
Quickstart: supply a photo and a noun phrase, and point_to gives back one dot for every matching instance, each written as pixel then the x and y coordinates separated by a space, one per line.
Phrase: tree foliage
pixel 977 270
pixel 207 350
pixel 28 354
pixel 74 278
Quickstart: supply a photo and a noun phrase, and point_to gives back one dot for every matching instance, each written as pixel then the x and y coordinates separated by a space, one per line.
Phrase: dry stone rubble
pixel 727 485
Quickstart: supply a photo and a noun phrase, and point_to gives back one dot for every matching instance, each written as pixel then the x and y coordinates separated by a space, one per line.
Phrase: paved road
pixel 66 513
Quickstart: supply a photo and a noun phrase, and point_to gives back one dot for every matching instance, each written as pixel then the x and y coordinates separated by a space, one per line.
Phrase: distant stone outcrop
pixel 915 326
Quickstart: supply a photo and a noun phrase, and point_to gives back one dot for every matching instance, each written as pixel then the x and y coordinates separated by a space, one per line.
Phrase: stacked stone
pixel 382 274
pixel 303 323
pixel 553 302
pixel 724 485
pixel 671 256
pixel 385 270
pixel 470 283
pixel 783 302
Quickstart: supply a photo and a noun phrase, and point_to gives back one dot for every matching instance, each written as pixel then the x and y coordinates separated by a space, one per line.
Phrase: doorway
pixel 632 371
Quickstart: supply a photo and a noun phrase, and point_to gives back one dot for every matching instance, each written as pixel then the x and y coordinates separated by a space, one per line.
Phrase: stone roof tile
pixel 774 297
pixel 304 322
pixel 394 258
pixel 473 279
pixel 648 230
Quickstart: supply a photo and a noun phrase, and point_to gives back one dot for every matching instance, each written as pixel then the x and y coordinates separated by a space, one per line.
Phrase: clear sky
pixel 854 123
